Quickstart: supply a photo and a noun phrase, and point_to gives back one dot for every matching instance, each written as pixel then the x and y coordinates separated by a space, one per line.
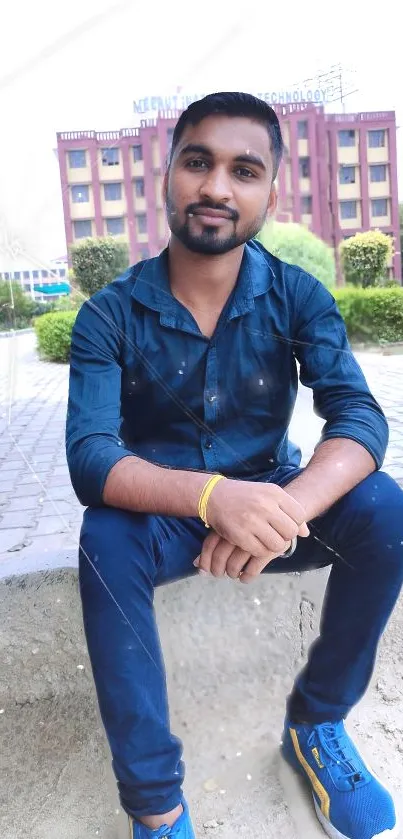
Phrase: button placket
pixel 210 407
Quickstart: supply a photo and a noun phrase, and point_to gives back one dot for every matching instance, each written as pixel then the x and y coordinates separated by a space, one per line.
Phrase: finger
pixel 271 540
pixel 255 567
pixel 285 526
pixel 206 553
pixel 236 562
pixel 221 554
pixel 292 507
pixel 303 530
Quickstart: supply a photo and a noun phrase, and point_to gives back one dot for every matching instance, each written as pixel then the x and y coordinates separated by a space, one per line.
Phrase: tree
pixel 16 307
pixel 96 262
pixel 365 257
pixel 401 232
pixel 295 244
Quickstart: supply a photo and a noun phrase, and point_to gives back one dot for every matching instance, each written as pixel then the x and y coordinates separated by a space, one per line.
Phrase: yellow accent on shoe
pixel 317 758
pixel 319 789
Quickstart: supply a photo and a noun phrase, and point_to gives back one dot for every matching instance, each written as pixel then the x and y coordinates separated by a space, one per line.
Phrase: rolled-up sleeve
pixel 327 365
pixel 93 445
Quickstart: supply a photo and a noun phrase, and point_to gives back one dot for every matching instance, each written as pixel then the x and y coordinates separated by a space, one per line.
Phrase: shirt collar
pixel 152 289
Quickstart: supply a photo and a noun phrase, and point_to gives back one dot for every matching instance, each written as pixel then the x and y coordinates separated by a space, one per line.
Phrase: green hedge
pixel 372 315
pixel 53 332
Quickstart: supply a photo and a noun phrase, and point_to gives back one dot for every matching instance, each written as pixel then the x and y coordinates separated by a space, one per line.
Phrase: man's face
pixel 218 190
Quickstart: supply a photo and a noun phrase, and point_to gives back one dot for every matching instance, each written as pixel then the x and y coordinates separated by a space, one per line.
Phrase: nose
pixel 216 186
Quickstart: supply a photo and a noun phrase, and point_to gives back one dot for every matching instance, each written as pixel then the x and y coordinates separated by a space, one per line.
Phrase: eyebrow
pixel 197 148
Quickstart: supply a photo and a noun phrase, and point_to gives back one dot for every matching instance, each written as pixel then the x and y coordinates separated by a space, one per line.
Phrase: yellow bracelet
pixel 205 495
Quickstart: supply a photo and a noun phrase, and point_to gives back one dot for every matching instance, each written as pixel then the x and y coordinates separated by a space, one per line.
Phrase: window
pixel 347 175
pixel 82 228
pixel 306 205
pixel 110 157
pixel 115 226
pixel 139 187
pixel 142 223
pixel 77 159
pixel 302 129
pixel 35 275
pixel 27 287
pixel 6 276
pixel 379 207
pixel 304 167
pixel 62 272
pixel 25 275
pixel 113 192
pixel 377 174
pixel 137 153
pixel 80 194
pixel 377 139
pixel 348 209
pixel 347 137
pixel 17 275
pixel 144 253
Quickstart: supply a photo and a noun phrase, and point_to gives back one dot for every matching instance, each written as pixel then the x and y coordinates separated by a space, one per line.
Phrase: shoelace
pixel 335 746
pixel 168 832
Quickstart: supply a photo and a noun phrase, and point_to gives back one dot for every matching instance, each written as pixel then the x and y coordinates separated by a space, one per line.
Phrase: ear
pixel 272 205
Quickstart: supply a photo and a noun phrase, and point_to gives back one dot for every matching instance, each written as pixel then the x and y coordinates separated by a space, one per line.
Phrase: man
pixel 183 371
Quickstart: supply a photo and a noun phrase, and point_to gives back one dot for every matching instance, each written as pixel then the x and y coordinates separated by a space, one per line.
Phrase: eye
pixel 196 164
pixel 244 173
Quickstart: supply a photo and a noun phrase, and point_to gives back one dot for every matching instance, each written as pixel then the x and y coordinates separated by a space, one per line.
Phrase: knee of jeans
pixel 378 503
pixel 115 542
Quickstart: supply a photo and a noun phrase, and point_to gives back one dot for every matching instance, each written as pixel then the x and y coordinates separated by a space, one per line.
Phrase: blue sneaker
pixel 349 800
pixel 182 829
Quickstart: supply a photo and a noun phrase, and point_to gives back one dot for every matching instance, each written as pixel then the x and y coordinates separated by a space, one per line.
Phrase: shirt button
pixel 208 444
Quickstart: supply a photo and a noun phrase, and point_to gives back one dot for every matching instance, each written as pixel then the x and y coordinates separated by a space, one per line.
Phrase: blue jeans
pixel 133 553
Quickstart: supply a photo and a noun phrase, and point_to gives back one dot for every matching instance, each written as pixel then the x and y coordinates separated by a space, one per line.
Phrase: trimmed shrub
pixel 96 262
pixel 295 244
pixel 53 332
pixel 372 315
pixel 365 257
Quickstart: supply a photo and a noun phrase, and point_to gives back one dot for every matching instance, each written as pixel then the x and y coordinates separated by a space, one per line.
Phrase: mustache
pixel 193 208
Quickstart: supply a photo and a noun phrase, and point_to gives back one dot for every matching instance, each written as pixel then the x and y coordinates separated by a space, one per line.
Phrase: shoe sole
pixel 335 834
pixel 328 827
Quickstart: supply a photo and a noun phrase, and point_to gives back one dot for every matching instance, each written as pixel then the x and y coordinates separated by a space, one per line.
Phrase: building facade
pixel 39 282
pixel 338 177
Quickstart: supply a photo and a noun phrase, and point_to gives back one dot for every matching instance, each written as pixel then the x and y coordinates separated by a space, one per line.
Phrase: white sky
pixel 80 65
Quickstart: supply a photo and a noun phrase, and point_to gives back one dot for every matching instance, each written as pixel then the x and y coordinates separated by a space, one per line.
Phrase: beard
pixel 211 241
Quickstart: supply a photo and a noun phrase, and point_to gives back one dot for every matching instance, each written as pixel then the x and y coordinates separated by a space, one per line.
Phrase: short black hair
pixel 233 105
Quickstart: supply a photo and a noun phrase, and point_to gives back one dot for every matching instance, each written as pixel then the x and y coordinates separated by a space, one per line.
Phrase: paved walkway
pixel 39 514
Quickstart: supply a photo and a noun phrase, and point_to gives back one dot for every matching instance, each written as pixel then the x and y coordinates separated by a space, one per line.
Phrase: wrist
pixel 205 495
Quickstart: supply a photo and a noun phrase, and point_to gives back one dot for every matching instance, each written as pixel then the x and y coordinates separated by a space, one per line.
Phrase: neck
pixel 196 278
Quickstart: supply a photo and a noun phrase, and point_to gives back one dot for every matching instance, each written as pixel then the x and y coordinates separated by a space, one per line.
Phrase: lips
pixel 213 214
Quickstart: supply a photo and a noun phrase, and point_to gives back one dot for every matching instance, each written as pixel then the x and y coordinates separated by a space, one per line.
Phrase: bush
pixel 24 307
pixel 365 257
pixel 53 332
pixel 96 262
pixel 296 244
pixel 372 315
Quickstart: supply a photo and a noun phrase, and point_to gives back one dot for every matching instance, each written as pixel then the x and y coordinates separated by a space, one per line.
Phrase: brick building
pixel 338 177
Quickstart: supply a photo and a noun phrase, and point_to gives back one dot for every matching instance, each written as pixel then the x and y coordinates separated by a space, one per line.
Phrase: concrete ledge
pixel 231 654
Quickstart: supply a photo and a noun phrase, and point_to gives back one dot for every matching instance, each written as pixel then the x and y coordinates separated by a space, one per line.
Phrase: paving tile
pixel 9 539
pixel 51 524
pixel 17 519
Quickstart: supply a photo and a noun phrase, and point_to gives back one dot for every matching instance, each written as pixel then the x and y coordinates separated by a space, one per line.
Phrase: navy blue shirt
pixel 145 381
